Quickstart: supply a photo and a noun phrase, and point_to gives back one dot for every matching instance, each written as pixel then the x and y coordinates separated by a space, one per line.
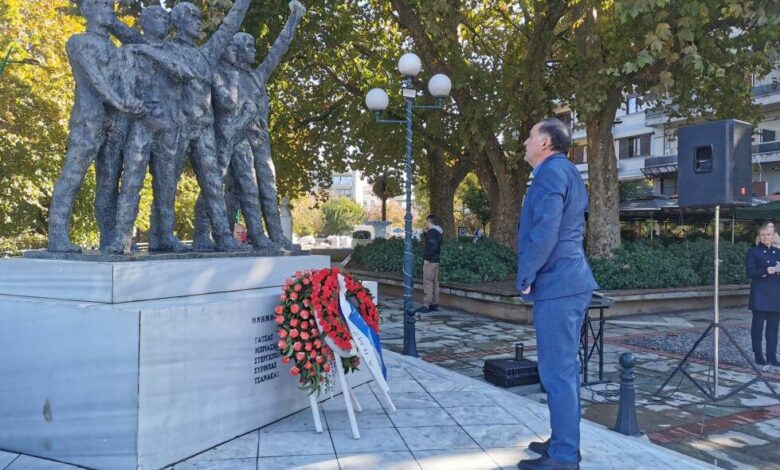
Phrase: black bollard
pixel 626 418
pixel 519 348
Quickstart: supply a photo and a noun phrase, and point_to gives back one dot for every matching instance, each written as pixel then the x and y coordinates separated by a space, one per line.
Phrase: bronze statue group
pixel 157 101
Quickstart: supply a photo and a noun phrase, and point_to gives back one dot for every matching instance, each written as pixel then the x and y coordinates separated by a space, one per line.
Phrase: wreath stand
pixel 361 350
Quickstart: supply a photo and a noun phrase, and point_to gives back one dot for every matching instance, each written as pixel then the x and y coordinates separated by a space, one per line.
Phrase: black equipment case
pixel 511 372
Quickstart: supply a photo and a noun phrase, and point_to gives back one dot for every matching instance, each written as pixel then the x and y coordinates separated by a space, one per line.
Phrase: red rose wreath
pixel 316 293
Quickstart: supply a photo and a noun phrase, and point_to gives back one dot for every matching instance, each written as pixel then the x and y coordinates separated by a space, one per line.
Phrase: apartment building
pixel 354 185
pixel 646 142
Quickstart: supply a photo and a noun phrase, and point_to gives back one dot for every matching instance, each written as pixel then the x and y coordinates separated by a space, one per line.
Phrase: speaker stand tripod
pixel 710 390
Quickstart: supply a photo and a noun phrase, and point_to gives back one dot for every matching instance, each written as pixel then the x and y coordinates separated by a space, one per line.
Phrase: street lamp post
pixel 377 100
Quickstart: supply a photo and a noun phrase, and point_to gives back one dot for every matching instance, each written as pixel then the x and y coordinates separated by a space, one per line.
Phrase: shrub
pixel 13 246
pixel 460 261
pixel 643 265
pixel 635 265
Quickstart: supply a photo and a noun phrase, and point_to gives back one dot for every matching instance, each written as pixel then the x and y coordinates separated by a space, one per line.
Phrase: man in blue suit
pixel 554 272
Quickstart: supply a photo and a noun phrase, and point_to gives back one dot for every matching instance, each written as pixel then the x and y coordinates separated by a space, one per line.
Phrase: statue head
pixel 243 46
pixel 185 18
pixel 99 12
pixel 155 21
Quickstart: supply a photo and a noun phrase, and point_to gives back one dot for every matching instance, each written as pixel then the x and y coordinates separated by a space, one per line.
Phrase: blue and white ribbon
pixel 366 341
pixel 360 324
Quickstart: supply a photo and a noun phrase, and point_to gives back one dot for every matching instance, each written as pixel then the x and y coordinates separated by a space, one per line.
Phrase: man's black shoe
pixel 760 361
pixel 541 448
pixel 546 462
pixel 434 308
pixel 424 310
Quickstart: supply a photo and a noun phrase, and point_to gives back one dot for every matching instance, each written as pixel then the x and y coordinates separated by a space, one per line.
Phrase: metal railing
pixel 766 147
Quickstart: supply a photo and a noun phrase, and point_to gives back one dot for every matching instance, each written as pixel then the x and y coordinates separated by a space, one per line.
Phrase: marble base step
pixel 132 281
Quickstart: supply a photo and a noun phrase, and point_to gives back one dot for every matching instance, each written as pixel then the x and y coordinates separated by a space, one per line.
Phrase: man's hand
pixel 296 5
pixel 771 270
pixel 526 291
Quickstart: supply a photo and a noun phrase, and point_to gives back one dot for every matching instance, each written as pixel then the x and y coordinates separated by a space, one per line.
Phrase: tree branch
pixel 320 117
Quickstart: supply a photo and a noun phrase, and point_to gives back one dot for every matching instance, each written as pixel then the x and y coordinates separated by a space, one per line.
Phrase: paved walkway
pixel 444 420
pixel 738 433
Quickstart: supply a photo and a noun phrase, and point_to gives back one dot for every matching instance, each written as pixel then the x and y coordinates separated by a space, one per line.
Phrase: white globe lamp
pixel 409 65
pixel 440 85
pixel 377 100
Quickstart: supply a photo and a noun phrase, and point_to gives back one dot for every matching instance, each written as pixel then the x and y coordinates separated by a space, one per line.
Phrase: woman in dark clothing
pixel 762 263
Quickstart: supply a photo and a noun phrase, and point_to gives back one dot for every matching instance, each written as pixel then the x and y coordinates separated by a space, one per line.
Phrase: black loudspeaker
pixel 714 164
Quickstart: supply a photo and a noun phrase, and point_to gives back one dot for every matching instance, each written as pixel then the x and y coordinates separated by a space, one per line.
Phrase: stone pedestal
pixel 380 228
pixel 139 365
pixel 285 214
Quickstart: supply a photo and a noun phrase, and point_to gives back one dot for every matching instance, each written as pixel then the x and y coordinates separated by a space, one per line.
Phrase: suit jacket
pixel 764 287
pixel 551 257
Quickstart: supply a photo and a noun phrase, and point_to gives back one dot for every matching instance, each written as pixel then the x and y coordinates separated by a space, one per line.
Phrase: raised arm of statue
pixel 80 52
pixel 216 44
pixel 170 63
pixel 283 41
pixel 225 89
pixel 126 34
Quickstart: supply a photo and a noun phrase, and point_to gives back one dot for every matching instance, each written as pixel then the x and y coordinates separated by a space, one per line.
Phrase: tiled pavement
pixel 740 432
pixel 444 421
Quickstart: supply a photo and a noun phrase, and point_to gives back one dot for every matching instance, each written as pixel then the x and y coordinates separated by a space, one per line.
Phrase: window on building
pixel 669 186
pixel 768 135
pixel 635 146
pixel 635 104
pixel 578 153
pixel 566 118
pixel 342 180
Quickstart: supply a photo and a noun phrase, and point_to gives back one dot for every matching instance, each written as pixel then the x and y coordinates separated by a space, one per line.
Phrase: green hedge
pixel 635 265
pixel 642 265
pixel 460 261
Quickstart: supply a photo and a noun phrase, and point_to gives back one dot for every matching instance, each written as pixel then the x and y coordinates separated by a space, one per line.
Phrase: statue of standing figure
pixel 198 137
pixel 232 115
pixel 93 59
pixel 247 138
pixel 154 103
pixel 158 76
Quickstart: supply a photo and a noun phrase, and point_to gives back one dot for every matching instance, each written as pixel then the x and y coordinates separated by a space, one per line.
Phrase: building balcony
pixel 765 89
pixel 660 167
pixel 766 148
pixel 657 167
pixel 763 95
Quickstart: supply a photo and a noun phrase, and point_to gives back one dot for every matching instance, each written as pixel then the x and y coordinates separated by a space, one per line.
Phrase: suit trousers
pixel 772 320
pixel 430 283
pixel 558 325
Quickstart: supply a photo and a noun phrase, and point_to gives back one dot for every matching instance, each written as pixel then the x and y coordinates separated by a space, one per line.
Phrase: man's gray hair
pixel 558 132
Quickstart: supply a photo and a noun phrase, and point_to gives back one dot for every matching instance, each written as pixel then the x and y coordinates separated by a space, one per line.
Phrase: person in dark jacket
pixel 762 268
pixel 432 238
